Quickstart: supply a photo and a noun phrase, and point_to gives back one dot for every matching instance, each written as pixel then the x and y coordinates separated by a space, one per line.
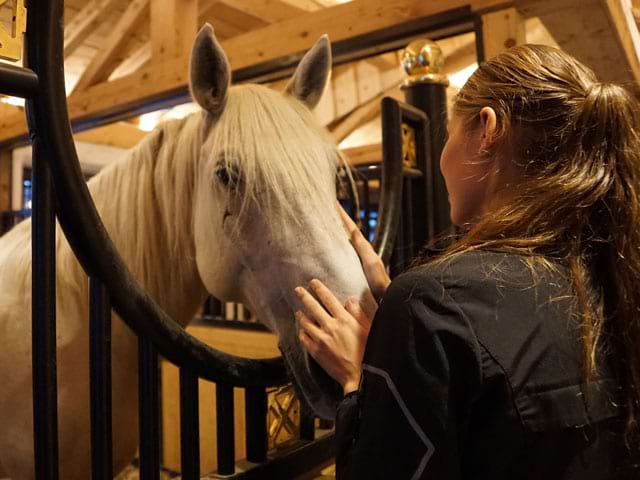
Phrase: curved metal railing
pixel 59 184
pixel 96 252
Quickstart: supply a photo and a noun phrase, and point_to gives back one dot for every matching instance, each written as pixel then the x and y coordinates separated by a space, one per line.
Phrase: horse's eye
pixel 223 175
pixel 228 177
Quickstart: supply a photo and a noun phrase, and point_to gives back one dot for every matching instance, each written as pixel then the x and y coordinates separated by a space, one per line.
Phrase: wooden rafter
pixel 358 117
pixel 118 134
pixel 110 56
pixel 173 28
pixel 277 40
pixel 596 32
pixel 84 23
pixel 269 10
pixel 240 19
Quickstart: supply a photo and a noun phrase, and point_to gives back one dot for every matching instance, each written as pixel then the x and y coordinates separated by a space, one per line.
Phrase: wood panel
pixel 173 27
pixel 596 32
pixel 5 179
pixel 269 10
pixel 244 343
pixel 502 30
pixel 111 55
pixel 84 22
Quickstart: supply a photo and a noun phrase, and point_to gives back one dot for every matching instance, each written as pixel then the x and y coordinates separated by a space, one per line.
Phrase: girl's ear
pixel 488 124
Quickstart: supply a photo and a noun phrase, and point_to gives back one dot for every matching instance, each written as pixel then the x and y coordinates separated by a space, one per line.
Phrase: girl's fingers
pixel 357 311
pixel 327 298
pixel 354 308
pixel 308 343
pixel 308 327
pixel 313 308
pixel 347 222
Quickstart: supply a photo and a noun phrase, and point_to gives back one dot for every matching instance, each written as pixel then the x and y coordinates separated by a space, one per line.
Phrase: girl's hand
pixel 334 337
pixel 371 263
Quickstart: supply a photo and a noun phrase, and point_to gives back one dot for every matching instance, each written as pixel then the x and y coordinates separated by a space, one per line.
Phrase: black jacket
pixel 472 371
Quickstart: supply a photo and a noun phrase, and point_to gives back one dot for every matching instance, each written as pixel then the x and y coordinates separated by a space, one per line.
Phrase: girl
pixel 516 353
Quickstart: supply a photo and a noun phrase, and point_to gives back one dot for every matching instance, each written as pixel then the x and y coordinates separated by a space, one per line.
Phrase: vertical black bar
pixel 366 208
pixel 407 224
pixel 100 380
pixel 43 304
pixel 148 410
pixel 225 430
pixel 479 38
pixel 422 191
pixel 431 98
pixel 189 426
pixel 256 423
pixel 307 423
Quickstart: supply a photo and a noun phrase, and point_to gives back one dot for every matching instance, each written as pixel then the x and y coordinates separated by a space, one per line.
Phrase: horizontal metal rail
pixel 18 81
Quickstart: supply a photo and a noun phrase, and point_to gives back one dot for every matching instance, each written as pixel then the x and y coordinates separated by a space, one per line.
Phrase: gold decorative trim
pixel 423 62
pixel 283 417
pixel 408 147
pixel 11 44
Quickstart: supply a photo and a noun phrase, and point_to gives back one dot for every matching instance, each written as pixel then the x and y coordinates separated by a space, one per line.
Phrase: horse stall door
pixel 246 343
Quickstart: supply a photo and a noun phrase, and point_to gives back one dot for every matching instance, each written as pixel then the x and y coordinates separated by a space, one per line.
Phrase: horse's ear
pixel 310 78
pixel 209 72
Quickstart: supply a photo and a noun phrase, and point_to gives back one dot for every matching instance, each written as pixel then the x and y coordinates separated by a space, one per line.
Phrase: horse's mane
pixel 146 201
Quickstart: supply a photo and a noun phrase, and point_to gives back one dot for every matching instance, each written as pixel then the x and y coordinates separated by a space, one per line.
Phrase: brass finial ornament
pixel 423 61
pixel 11 44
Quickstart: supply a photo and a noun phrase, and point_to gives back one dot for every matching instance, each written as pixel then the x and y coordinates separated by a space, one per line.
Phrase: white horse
pixel 237 201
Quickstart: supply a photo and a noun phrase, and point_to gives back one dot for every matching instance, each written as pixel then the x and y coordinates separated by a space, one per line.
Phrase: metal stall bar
pixel 307 423
pixel 43 295
pixel 189 425
pixel 18 81
pixel 391 182
pixel 225 429
pixel 148 410
pixel 43 304
pixel 100 380
pixel 256 423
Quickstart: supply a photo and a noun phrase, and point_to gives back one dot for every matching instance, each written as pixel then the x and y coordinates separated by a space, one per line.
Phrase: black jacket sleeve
pixel 421 371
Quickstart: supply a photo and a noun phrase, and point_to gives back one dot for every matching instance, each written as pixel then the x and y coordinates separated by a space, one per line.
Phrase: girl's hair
pixel 577 144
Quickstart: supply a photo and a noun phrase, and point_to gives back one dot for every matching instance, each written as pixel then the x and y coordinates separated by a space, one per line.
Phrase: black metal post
pixel 425 89
pixel 43 304
pixel 225 429
pixel 17 81
pixel 100 380
pixel 256 423
pixel 148 410
pixel 431 98
pixel 40 23
pixel 189 425
pixel 307 423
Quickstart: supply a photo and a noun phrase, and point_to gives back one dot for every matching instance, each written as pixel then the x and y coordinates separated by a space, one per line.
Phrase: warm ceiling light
pixel 18 102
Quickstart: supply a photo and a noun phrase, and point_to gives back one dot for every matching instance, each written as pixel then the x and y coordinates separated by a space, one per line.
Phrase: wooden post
pixel 173 27
pixel 502 30
pixel 5 180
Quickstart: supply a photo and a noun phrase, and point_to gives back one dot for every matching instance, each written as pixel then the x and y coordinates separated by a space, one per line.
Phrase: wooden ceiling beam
pixel 240 19
pixel 275 41
pixel 306 5
pixel 598 33
pixel 271 11
pixel 118 134
pixel 174 24
pixel 110 56
pixel 84 23
pixel 502 30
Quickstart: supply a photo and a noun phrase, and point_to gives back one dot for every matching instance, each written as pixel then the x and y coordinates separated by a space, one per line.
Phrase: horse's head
pixel 265 219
